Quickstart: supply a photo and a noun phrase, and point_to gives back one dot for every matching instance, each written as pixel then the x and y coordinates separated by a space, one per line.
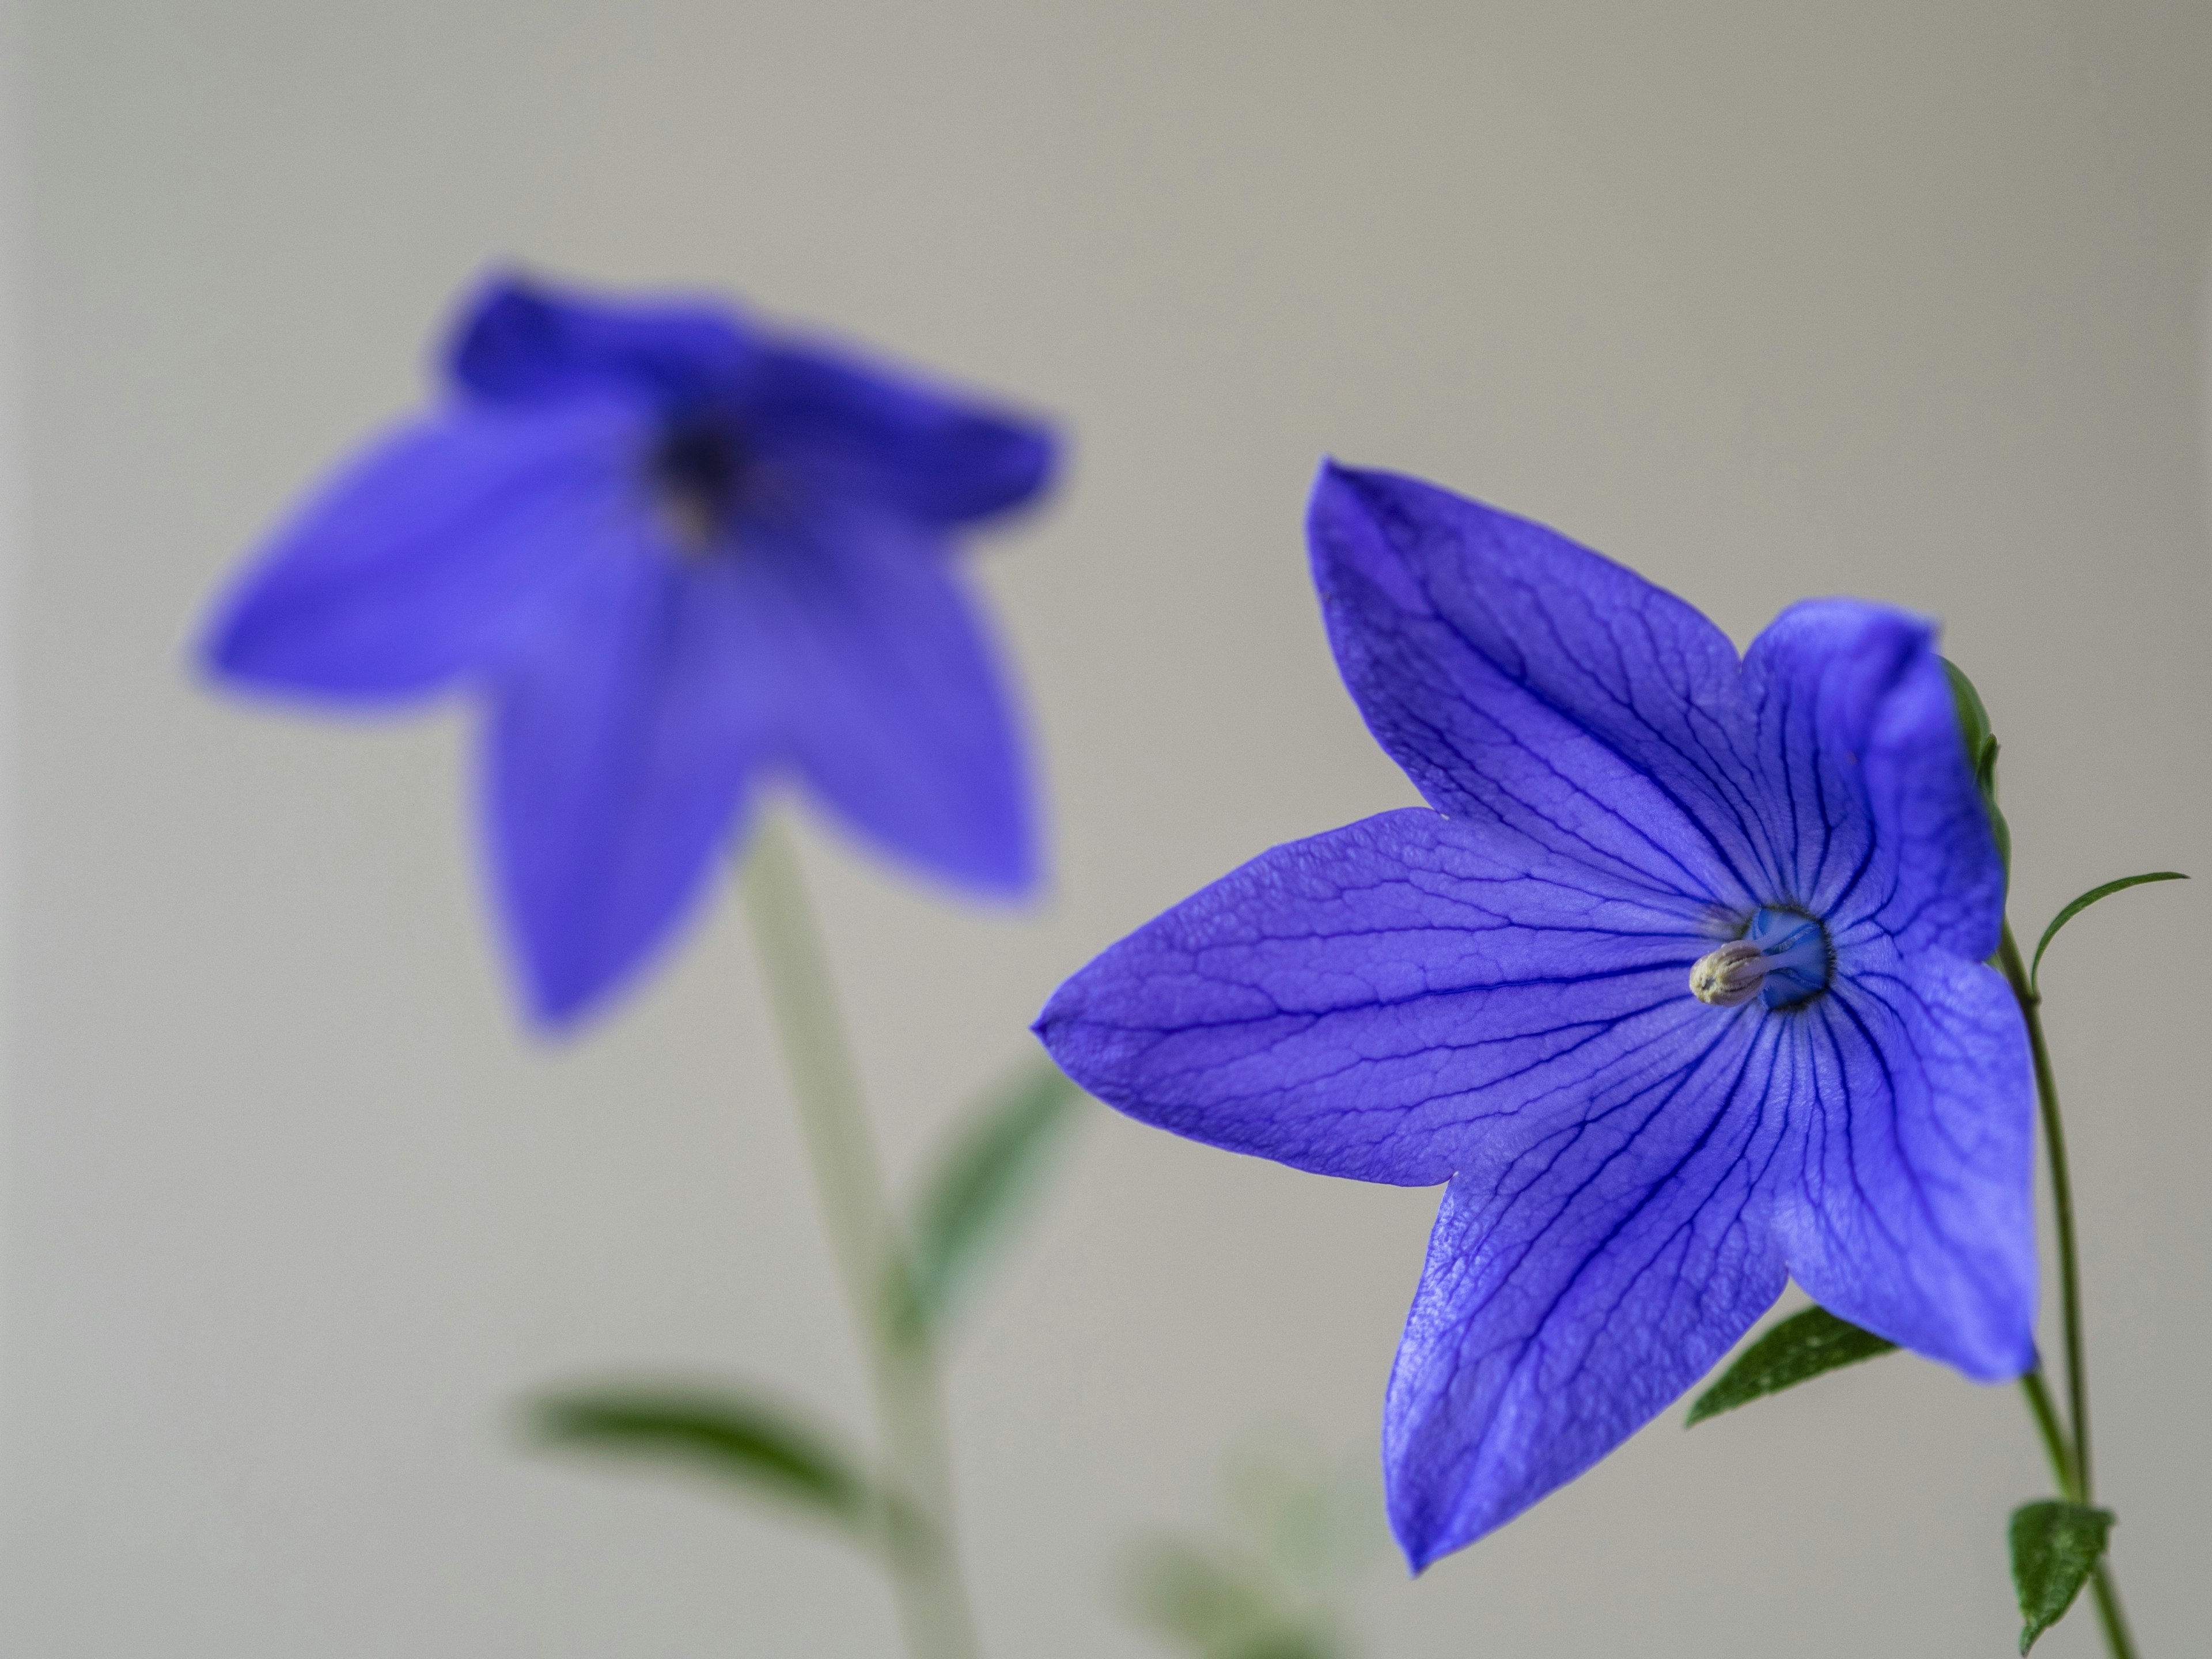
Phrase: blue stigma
pixel 1798 957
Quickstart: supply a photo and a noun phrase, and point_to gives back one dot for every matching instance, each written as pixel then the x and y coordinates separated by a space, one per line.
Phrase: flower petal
pixel 852 430
pixel 1905 1201
pixel 1577 1283
pixel 875 679
pixel 859 433
pixel 1867 773
pixel 614 766
pixel 422 560
pixel 1384 1000
pixel 1519 677
pixel 519 342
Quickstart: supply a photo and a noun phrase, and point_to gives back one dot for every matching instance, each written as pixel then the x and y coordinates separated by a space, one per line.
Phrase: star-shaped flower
pixel 1680 987
pixel 675 557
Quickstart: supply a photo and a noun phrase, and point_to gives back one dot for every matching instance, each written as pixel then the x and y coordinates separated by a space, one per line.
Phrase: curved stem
pixel 2070 1455
pixel 864 1236
pixel 2062 1201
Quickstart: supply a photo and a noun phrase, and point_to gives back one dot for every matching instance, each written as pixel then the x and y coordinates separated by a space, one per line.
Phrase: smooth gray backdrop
pixel 1903 300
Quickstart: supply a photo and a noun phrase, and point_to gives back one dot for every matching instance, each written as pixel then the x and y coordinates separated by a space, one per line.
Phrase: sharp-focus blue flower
pixel 1681 987
pixel 675 556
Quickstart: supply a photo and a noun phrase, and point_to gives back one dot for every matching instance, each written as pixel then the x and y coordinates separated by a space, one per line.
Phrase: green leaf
pixel 1213 1605
pixel 2083 904
pixel 1798 1350
pixel 1981 756
pixel 2055 1548
pixel 981 1186
pixel 729 1434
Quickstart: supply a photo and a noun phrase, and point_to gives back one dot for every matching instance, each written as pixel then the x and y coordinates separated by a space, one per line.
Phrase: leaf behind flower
pixel 1211 1604
pixel 1800 1348
pixel 731 1434
pixel 2055 1548
pixel 977 1191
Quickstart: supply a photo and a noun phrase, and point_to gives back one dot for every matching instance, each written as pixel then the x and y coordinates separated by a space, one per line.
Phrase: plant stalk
pixel 2069 1453
pixel 2062 1200
pixel 920 1547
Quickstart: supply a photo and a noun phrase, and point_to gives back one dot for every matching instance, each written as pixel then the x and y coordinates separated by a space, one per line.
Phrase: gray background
pixel 1905 299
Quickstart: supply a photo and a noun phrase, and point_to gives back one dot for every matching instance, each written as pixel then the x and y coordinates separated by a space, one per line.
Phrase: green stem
pixel 2062 1200
pixel 2119 1639
pixel 2055 1443
pixel 864 1236
pixel 2070 1455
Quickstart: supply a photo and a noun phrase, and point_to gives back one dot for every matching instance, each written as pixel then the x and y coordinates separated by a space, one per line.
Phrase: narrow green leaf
pixel 728 1433
pixel 2083 904
pixel 1981 756
pixel 1798 1350
pixel 2055 1548
pixel 981 1186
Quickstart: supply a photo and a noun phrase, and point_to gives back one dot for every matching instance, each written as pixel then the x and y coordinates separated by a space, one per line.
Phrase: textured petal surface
pixel 1867 776
pixel 522 342
pixel 614 767
pixel 1905 1201
pixel 859 433
pixel 1385 1000
pixel 1579 1280
pixel 1518 676
pixel 875 680
pixel 423 560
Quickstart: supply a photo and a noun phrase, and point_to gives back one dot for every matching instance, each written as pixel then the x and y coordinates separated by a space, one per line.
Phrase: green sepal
pixel 1800 1348
pixel 2083 904
pixel 728 1432
pixel 979 1189
pixel 2055 1548
pixel 1981 757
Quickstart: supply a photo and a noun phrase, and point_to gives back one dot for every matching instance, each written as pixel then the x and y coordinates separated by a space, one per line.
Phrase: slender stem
pixel 2055 1443
pixel 2062 1201
pixel 2119 1639
pixel 2070 1455
pixel 864 1236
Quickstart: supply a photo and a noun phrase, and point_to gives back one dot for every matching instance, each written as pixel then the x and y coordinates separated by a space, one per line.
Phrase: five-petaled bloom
pixel 675 556
pixel 1681 987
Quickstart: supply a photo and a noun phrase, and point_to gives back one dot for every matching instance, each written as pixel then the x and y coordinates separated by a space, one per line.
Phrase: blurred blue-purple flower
pixel 1681 987
pixel 677 557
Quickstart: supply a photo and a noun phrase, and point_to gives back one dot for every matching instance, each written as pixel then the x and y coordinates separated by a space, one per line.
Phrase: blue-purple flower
pixel 676 556
pixel 1681 987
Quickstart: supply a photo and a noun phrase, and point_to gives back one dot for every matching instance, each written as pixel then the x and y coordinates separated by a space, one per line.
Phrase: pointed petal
pixel 520 342
pixel 908 447
pixel 879 684
pixel 614 767
pixel 1384 1000
pixel 1868 779
pixel 422 560
pixel 1521 678
pixel 1905 1202
pixel 1577 1283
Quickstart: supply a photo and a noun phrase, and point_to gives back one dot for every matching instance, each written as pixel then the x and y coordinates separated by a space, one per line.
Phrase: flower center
pixel 699 469
pixel 1783 958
